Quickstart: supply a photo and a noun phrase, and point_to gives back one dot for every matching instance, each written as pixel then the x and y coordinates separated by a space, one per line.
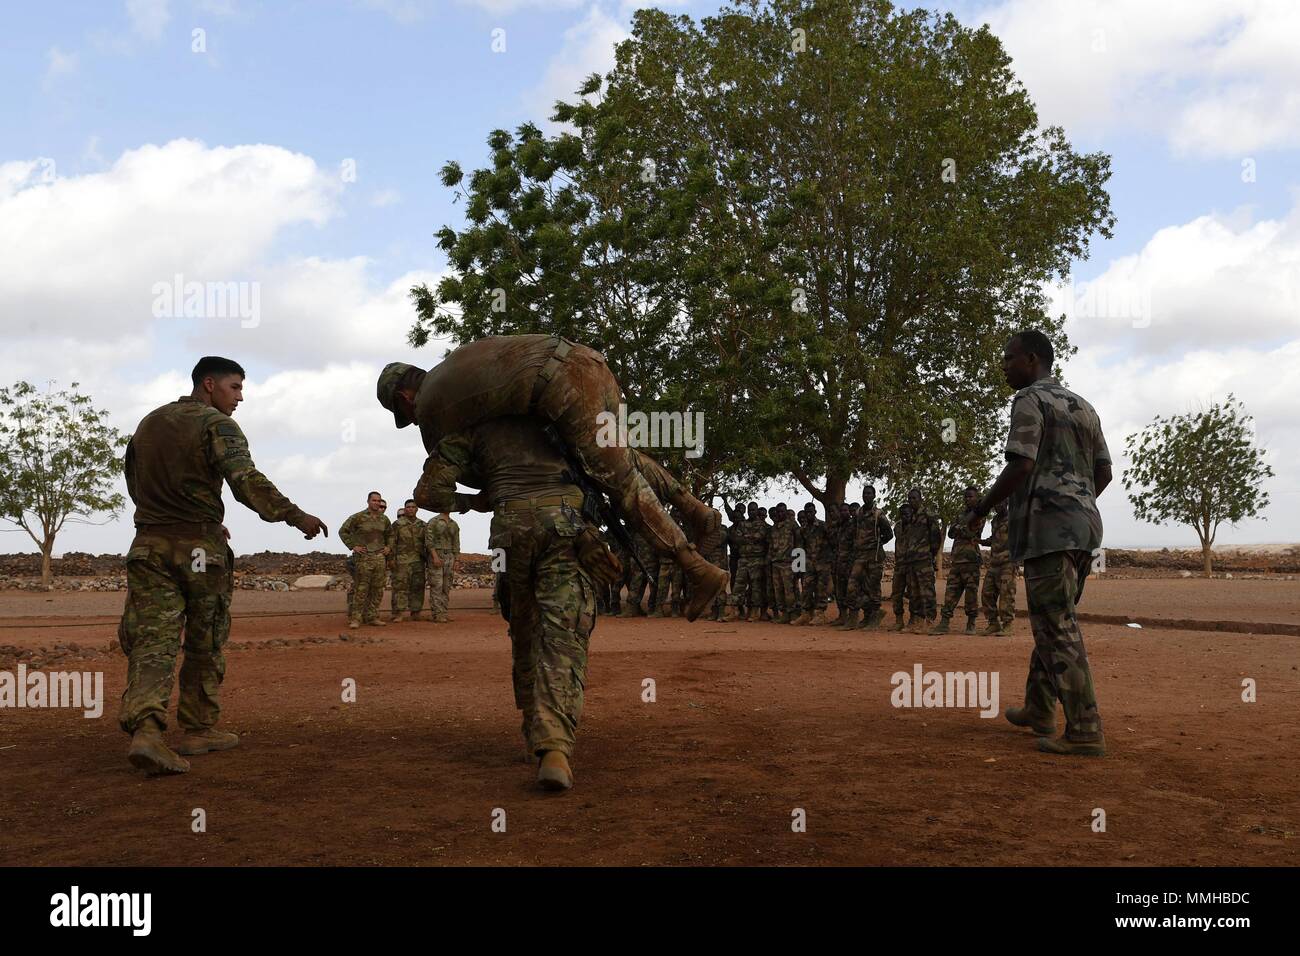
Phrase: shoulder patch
pixel 229 429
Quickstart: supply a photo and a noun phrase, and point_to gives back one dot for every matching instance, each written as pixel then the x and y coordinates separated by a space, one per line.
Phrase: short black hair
pixel 409 501
pixel 374 494
pixel 866 488
pixel 215 365
pixel 1036 343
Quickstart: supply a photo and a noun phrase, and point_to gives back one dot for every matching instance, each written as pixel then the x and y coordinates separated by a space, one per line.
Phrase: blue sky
pixel 226 165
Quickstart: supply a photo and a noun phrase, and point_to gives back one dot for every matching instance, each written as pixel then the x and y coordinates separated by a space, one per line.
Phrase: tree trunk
pixel 1207 553
pixel 47 570
pixel 835 485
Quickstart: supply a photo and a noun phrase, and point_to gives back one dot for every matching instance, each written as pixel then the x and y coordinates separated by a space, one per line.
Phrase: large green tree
pixel 816 221
pixel 1200 469
pixel 58 461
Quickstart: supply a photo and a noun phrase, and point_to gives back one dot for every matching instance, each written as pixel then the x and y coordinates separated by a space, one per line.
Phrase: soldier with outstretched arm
pixel 1057 466
pixel 180 571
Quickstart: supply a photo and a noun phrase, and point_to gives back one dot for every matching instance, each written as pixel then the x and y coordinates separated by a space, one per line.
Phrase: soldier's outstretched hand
pixel 311 526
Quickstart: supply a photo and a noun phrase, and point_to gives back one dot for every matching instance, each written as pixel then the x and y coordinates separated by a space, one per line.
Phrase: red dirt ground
pixel 751 722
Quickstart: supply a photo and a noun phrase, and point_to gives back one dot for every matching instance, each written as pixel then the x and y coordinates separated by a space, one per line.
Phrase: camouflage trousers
pixel 439 578
pixel 1058 667
pixel 784 596
pixel 864 585
pixel 372 574
pixel 672 581
pixel 817 586
pixel 843 571
pixel 998 595
pixel 644 584
pixel 747 588
pixel 552 613
pixel 962 579
pixel 916 580
pixel 718 559
pixel 176 585
pixel 408 586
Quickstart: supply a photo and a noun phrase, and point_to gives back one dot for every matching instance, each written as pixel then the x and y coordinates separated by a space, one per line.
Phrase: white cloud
pixel 588 48
pixel 148 17
pixel 1216 281
pixel 1214 78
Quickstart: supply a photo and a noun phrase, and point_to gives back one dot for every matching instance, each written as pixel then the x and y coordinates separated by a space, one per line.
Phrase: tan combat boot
pixel 755 615
pixel 1073 748
pixel 819 619
pixel 898 622
pixel 848 619
pixel 803 619
pixel 657 612
pixel 631 610
pixel 149 753
pixel 992 627
pixel 970 625
pixel 1042 725
pixel 401 617
pixel 377 622
pixel 941 627
pixel 553 772
pixel 707 581
pixel 732 613
pixel 354 625
pixel 206 741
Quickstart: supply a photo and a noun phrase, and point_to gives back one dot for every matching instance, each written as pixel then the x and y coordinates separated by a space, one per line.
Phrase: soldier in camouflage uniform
pixel 963 570
pixel 820 563
pixel 612 596
pixel 537 522
pixel 407 563
pixel 442 546
pixel 930 531
pixel 713 546
pixel 643 582
pixel 998 596
pixel 180 570
pixel 763 535
pixel 910 552
pixel 747 544
pixel 366 533
pixel 871 532
pixel 570 387
pixel 1057 466
pixel 841 533
pixel 783 539
pixel 671 582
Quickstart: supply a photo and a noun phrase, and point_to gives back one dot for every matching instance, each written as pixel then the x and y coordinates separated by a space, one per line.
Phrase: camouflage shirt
pixel 1056 509
pixel 177 458
pixel 407 536
pixel 367 530
pixel 442 535
pixel 844 530
pixel 918 540
pixel 871 532
pixel 713 543
pixel 783 538
pixel 999 546
pixel 817 544
pixel 965 544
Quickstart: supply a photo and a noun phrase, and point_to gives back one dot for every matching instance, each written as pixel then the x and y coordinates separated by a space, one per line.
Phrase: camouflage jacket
pixel 713 543
pixel 407 537
pixel 442 535
pixel 783 538
pixel 845 529
pixel 999 545
pixel 750 538
pixel 177 458
pixel 871 532
pixel 817 544
pixel 965 544
pixel 366 530
pixel 918 540
pixel 1056 509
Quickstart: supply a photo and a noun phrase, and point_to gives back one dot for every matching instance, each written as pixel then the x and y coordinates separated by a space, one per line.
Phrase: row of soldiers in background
pixel 789 570
pixel 416 553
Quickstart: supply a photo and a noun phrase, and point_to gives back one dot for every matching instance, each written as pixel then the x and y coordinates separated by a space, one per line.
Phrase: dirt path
pixel 750 723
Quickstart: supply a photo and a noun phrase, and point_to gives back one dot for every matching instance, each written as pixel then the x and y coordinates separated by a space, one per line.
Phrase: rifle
pixel 596 509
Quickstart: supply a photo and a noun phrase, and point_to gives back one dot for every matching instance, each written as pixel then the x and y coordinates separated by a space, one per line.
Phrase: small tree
pixel 1199 469
pixel 58 459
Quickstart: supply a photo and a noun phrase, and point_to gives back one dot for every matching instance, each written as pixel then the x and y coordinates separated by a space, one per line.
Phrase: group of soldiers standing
pixel 789 570
pixel 414 552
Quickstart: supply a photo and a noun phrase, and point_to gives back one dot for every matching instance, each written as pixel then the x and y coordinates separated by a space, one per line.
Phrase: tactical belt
pixel 189 528
pixel 547 372
pixel 550 501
